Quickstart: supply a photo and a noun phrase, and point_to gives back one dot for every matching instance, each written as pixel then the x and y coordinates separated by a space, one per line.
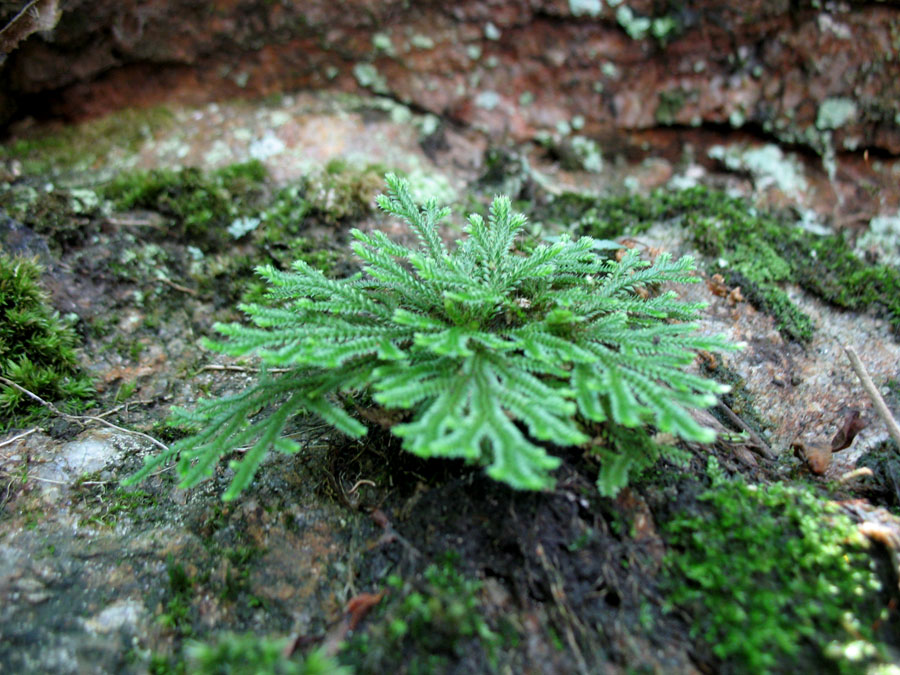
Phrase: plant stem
pixel 877 401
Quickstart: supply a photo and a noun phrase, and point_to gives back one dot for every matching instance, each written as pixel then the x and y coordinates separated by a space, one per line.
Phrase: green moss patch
pixel 83 146
pixel 247 654
pixel 231 220
pixel 428 622
pixel 773 578
pixel 37 348
pixel 201 206
pixel 66 217
pixel 757 250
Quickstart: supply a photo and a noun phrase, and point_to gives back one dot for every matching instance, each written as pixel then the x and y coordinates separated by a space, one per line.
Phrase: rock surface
pixel 823 76
pixel 794 104
pixel 112 579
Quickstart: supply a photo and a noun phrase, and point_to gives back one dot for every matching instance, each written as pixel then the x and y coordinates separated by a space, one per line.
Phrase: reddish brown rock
pixel 511 66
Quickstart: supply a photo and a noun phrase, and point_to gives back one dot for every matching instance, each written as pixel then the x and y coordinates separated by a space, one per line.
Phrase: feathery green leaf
pixel 497 355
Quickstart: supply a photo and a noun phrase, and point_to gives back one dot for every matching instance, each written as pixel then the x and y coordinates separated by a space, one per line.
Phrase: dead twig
pixel 762 448
pixel 862 472
pixel 239 369
pixel 113 411
pixel 179 287
pixel 874 395
pixel 48 480
pixel 80 419
pixel 364 481
pixel 24 434
pixel 132 221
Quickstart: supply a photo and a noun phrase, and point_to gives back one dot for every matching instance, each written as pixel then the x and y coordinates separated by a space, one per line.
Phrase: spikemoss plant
pixel 37 348
pixel 494 354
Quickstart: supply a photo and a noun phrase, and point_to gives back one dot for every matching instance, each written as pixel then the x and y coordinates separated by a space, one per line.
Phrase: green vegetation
pixel 626 453
pixel 250 655
pixel 342 192
pixel 201 206
pixel 37 348
pixel 218 212
pixel 106 506
pixel 469 341
pixel 66 217
pixel 427 623
pixel 772 576
pixel 759 251
pixel 80 147
pixel 214 208
pixel 670 104
pixel 237 573
pixel 177 614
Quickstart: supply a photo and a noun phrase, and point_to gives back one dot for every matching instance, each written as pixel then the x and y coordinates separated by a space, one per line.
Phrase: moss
pixel 216 212
pixel 83 146
pixel 670 102
pixel 603 218
pixel 344 193
pixel 237 573
pixel 66 217
pixel 37 348
pixel 425 624
pixel 251 655
pixel 177 614
pixel 200 206
pixel 772 578
pixel 759 250
pixel 106 506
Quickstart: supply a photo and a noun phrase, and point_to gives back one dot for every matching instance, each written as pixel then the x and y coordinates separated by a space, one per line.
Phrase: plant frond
pixel 492 352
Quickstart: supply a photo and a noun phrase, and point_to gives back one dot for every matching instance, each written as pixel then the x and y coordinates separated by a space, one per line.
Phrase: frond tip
pixel 497 354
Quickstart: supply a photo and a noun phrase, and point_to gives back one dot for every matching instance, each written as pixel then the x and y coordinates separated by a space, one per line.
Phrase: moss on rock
pixel 774 579
pixel 37 348
pixel 200 206
pixel 758 250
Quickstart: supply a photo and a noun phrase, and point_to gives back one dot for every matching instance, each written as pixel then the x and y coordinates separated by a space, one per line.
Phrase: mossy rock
pixel 199 206
pixel 65 217
pixel 426 622
pixel 760 251
pixel 774 579
pixel 37 348
pixel 82 147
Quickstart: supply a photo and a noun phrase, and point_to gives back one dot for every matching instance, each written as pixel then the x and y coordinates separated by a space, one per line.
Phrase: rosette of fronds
pixel 496 354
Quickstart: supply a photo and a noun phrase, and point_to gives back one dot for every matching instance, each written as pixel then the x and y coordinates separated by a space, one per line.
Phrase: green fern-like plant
pixel 490 350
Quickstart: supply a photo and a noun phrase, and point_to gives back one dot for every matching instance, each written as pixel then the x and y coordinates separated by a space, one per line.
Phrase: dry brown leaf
pixel 852 425
pixel 716 285
pixel 817 456
pixel 381 416
pixel 745 456
pixel 359 606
